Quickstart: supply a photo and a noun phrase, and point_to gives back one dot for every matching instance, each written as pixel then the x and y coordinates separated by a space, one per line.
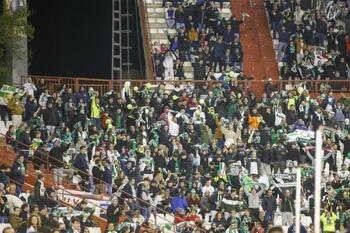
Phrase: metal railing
pixel 147 43
pixel 54 84
pixel 48 165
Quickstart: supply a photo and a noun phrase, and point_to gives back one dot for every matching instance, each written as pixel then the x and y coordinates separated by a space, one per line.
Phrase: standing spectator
pixel 44 97
pixel 179 17
pixel 81 163
pixel 18 173
pixel 170 17
pixel 199 71
pixel 287 208
pixel 253 201
pixel 235 23
pixel 30 107
pixel 321 28
pixel 39 190
pixel 96 111
pixel 283 41
pixel 56 161
pixel 269 205
pixel 218 54
pixel 168 64
pixel 51 118
pixel 328 220
pixel 179 70
pixel 16 109
pixel 29 87
pixel 107 177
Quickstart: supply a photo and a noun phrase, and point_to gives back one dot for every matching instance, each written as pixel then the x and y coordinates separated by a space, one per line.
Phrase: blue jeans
pixel 235 64
pixel 269 216
pixel 201 26
pixel 274 29
pixel 281 49
pixel 320 39
pixel 108 189
pixel 97 123
pixel 91 184
pixel 3 219
pixel 146 213
pixel 179 25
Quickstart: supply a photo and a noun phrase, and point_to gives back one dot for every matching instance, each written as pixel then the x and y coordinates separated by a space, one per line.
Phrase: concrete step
pixel 155 9
pixel 158 25
pixel 162 31
pixel 159 41
pixel 156 15
pixel 159 37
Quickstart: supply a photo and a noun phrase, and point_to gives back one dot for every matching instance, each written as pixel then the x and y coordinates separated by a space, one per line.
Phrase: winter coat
pixel 15 107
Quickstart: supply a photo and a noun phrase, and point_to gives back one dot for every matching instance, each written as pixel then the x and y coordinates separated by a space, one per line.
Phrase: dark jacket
pixel 37 188
pixel 287 205
pixel 17 171
pixel 269 204
pixel 218 50
pixel 56 156
pixel 112 217
pixel 80 162
pixel 24 140
pixel 51 117
pixel 107 175
pixel 30 108
pixel 199 72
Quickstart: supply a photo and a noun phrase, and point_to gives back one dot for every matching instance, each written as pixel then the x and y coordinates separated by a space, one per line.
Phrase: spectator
pixel 29 87
pixel 199 71
pixel 170 17
pixel 269 205
pixel 96 111
pixel 18 173
pixel 16 109
pixel 218 54
pixel 168 64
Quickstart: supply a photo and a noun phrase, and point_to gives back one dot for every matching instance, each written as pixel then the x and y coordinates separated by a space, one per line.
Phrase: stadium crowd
pixel 313 38
pixel 204 38
pixel 219 160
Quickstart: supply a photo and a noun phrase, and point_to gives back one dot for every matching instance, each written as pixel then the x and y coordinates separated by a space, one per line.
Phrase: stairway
pixel 8 156
pixel 31 175
pixel 158 27
pixel 259 56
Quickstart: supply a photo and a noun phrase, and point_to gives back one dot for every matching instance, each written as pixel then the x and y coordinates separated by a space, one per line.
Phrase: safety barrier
pixel 55 84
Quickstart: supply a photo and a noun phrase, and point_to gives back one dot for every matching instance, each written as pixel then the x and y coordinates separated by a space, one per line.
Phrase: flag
pixel 222 171
pixel 302 136
pixel 6 91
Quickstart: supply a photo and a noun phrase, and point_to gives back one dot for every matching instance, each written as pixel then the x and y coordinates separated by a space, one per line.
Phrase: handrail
pixel 103 85
pixel 90 81
pixel 60 201
pixel 65 191
pixel 259 43
pixel 69 192
pixel 99 180
pixel 147 43
pixel 35 175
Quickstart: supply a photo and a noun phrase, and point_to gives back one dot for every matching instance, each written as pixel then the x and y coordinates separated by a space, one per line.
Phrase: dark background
pixel 73 38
